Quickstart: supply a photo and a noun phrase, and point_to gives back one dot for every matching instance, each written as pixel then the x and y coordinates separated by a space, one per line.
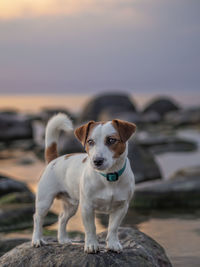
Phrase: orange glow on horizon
pixel 14 9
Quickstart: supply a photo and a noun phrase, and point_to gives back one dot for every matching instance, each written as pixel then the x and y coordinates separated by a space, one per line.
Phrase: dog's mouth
pixel 99 168
pixel 102 167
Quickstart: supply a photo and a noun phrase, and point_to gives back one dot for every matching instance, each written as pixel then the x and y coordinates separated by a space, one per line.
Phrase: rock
pixel 151 117
pixel 184 117
pixel 8 244
pixel 24 145
pixel 47 113
pixel 26 161
pixel 111 103
pixel 139 250
pixel 187 172
pixel 20 216
pixel 14 126
pixel 161 106
pixel 9 185
pixel 159 143
pixel 142 163
pixel 110 114
pixel 69 144
pixel 183 191
pixel 19 197
pixel 17 205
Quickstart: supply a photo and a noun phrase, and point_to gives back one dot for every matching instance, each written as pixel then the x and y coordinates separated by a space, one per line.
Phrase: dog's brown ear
pixel 82 132
pixel 124 128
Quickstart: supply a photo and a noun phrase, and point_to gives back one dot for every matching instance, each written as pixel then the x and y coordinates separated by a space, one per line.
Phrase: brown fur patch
pixel 124 128
pixel 51 152
pixel 118 148
pixel 84 160
pixel 81 133
pixel 70 155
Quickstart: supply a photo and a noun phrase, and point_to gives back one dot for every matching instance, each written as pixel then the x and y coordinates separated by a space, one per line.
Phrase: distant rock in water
pixel 160 143
pixel 161 106
pixel 14 126
pixel 181 192
pixel 139 250
pixel 184 117
pixel 112 103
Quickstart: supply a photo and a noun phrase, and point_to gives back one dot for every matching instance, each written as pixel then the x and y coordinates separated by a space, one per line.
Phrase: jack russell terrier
pixel 101 179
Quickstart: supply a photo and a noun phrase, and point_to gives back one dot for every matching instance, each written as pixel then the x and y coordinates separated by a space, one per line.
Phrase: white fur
pixel 84 184
pixel 54 126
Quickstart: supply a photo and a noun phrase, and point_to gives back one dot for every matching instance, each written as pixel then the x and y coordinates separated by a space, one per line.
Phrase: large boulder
pixel 183 191
pixel 112 103
pixel 9 185
pixel 161 106
pixel 139 250
pixel 14 126
pixel 143 163
pixel 17 205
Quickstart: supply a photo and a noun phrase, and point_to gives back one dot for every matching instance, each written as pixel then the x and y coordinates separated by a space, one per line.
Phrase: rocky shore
pixel 158 124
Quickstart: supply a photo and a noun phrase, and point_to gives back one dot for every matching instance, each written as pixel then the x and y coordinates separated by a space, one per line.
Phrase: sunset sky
pixel 73 46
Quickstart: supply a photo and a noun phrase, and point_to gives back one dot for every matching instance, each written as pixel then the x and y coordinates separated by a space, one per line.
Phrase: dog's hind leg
pixel 42 207
pixel 68 211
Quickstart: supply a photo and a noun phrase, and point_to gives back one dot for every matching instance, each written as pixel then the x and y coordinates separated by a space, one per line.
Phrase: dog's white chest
pixel 107 200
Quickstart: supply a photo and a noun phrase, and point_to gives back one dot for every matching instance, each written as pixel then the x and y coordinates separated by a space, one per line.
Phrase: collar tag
pixel 112 176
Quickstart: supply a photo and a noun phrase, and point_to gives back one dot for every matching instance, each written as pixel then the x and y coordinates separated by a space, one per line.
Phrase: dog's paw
pixel 114 246
pixel 91 247
pixel 38 242
pixel 64 240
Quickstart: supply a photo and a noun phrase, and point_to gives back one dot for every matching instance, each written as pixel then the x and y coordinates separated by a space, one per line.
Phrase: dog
pixel 101 180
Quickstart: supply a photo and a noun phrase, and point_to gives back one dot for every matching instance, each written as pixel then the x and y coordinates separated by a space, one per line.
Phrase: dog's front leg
pixel 91 242
pixel 115 219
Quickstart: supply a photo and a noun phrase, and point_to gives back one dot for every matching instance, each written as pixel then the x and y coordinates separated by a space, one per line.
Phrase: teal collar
pixel 113 176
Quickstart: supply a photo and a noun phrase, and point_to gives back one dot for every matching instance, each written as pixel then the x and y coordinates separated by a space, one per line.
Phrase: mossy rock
pixel 23 197
pixel 139 251
pixel 20 216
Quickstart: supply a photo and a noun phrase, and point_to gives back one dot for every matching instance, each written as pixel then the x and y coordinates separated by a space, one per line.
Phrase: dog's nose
pixel 98 161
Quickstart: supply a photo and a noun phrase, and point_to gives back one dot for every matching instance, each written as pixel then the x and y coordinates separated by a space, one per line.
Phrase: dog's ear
pixel 82 132
pixel 124 128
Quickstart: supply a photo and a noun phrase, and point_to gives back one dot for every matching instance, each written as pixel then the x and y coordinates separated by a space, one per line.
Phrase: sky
pixel 76 46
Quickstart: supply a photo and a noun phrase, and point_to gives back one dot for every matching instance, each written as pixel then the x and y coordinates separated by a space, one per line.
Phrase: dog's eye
pixel 90 142
pixel 111 141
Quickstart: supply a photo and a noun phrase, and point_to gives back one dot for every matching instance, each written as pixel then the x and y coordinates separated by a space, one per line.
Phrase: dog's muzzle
pixel 98 162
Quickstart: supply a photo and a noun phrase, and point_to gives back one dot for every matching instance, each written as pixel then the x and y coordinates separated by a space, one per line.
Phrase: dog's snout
pixel 98 161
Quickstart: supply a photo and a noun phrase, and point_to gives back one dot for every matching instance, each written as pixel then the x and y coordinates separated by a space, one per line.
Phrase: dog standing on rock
pixel 101 179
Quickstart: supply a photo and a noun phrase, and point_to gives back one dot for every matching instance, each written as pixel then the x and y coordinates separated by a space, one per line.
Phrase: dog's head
pixel 105 142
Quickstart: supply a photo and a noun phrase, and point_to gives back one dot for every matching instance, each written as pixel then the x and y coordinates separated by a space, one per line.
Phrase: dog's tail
pixel 54 126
